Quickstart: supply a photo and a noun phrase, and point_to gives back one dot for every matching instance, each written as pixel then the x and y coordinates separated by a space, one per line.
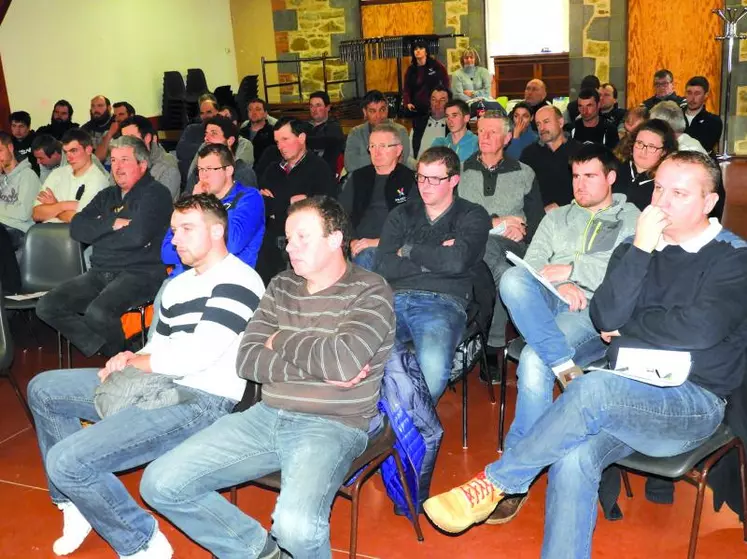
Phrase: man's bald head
pixel 535 92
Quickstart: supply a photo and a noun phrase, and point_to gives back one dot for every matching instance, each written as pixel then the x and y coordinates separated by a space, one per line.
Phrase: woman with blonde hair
pixel 471 81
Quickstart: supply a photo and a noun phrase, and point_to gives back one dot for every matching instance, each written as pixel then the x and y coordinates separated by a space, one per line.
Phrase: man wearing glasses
pixel 220 130
pixel 243 203
pixel 371 192
pixel 428 251
pixel 663 90
pixel 509 191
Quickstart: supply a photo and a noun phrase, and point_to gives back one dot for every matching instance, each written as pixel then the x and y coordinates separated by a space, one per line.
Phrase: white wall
pixel 526 26
pixel 75 49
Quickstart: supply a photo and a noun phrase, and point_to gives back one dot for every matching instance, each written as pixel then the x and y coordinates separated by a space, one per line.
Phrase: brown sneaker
pixel 507 509
pixel 463 506
pixel 568 375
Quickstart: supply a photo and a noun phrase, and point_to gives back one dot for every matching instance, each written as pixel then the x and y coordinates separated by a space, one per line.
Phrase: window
pixel 526 27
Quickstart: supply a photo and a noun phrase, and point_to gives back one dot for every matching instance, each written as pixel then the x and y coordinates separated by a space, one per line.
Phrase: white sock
pixel 75 528
pixel 563 366
pixel 157 548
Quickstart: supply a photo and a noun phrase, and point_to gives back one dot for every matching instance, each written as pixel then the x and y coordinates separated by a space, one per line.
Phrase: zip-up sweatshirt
pixel 574 235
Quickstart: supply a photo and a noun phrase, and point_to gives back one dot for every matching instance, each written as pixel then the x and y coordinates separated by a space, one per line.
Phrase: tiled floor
pixel 29 523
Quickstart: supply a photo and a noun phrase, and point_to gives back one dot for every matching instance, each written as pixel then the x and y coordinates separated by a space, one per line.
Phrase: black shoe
pixel 495 359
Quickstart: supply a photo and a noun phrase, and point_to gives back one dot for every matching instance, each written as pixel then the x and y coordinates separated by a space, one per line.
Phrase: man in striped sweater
pixel 317 344
pixel 204 312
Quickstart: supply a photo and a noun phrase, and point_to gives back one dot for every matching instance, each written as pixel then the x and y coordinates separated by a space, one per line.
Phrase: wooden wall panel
pixel 678 36
pixel 388 20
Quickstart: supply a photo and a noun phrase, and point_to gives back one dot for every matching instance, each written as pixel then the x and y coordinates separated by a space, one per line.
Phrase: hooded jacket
pixel 18 190
pixel 574 235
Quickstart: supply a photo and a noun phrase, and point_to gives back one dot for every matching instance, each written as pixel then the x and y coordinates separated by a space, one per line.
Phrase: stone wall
pixel 459 16
pixel 598 42
pixel 312 28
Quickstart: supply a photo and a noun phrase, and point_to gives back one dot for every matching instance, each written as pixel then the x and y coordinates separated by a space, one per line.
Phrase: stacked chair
pixel 174 105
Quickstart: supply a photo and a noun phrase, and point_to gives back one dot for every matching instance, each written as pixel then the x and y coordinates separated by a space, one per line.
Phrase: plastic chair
pixel 693 466
pixel 6 359
pixel 50 257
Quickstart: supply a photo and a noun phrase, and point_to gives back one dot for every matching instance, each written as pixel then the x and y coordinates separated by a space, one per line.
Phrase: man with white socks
pixel 143 404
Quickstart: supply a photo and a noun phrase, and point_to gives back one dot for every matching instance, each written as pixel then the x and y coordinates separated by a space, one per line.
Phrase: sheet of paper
pixel 652 366
pixel 26 296
pixel 500 230
pixel 520 262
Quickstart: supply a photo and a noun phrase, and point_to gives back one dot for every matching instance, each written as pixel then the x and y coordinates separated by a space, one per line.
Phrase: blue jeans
pixel 366 258
pixel 80 463
pixel 599 419
pixel 435 324
pixel 554 335
pixel 314 455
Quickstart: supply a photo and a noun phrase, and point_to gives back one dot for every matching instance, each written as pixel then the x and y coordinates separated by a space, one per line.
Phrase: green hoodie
pixel 574 235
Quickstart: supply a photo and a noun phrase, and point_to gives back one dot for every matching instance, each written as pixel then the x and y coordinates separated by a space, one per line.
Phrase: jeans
pixel 80 463
pixel 366 258
pixel 314 455
pixel 599 419
pixel 495 258
pixel 554 335
pixel 87 309
pixel 435 324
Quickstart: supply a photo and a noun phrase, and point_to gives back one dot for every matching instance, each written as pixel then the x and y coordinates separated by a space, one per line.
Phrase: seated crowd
pixel 272 280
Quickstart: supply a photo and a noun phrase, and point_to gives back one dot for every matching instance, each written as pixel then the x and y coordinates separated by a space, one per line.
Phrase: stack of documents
pixel 652 366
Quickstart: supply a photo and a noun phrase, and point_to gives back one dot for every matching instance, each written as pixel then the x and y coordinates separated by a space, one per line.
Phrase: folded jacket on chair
pixel 133 387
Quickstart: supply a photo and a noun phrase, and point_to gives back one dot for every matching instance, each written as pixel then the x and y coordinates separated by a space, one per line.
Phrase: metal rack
pixel 298 62
pixel 383 48
pixel 731 17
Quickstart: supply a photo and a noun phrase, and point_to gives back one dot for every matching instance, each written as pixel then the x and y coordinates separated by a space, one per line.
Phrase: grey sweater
pixel 509 189
pixel 574 235
pixel 18 190
pixel 329 335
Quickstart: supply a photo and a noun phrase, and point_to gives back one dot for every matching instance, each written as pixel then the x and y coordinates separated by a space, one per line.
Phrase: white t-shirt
pixel 67 187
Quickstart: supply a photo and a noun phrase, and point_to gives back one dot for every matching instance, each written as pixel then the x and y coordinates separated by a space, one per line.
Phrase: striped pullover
pixel 201 321
pixel 330 335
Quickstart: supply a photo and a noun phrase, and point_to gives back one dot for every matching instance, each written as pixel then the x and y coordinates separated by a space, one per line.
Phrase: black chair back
pixel 196 82
pixel 50 257
pixel 6 341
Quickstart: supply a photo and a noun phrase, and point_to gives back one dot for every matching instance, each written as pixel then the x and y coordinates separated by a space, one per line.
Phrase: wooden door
pixel 678 36
pixel 390 20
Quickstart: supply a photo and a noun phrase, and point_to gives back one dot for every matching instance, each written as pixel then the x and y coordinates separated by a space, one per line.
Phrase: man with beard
pixel 122 110
pixel 61 122
pixel 101 121
pixel 549 159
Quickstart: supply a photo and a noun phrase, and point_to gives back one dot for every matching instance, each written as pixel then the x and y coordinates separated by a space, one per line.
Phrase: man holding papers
pixel 570 251
pixel 681 284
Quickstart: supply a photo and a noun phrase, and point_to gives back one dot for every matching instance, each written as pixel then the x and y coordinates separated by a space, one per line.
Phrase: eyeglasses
pixel 372 147
pixel 209 169
pixel 645 148
pixel 433 181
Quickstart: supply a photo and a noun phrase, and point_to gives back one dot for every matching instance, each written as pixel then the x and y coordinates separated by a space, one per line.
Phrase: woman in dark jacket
pixel 423 74
pixel 650 143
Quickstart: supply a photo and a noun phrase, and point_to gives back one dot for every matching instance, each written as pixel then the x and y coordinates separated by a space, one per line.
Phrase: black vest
pixel 398 185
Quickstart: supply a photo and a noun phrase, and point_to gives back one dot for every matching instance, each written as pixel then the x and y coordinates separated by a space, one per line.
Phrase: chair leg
pixel 743 478
pixel 9 375
pixel 696 514
pixel 69 354
pixel 502 411
pixel 408 497
pixel 234 496
pixel 464 400
pixel 354 522
pixel 626 483
pixel 484 368
pixel 143 330
pixel 59 350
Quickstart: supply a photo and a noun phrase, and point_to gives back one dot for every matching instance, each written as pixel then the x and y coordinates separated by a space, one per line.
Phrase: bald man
pixel 535 95
pixel 101 118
